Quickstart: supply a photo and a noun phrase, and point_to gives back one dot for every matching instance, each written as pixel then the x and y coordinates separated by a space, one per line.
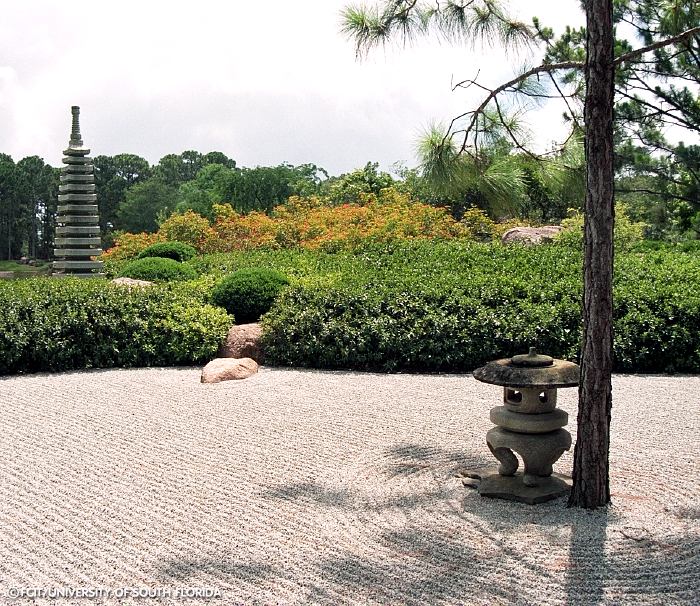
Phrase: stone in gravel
pixel 243 341
pixel 227 369
pixel 131 282
pixel 531 235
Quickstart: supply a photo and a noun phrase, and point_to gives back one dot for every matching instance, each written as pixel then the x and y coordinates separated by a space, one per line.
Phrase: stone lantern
pixel 528 423
pixel 77 224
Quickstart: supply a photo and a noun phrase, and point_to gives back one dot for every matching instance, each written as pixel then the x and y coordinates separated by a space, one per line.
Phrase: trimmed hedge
pixel 249 293
pixel 63 324
pixel 158 269
pixel 454 306
pixel 177 251
pixel 447 306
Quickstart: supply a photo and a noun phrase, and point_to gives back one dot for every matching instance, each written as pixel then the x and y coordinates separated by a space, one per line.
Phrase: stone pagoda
pixel 77 226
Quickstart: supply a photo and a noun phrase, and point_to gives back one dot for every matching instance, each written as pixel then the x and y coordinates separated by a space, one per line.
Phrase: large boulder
pixel 228 369
pixel 243 341
pixel 531 235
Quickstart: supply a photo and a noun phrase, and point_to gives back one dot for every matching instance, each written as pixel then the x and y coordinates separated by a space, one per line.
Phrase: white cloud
pixel 262 82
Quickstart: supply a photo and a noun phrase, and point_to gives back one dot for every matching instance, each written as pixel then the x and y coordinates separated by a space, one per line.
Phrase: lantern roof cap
pixel 529 370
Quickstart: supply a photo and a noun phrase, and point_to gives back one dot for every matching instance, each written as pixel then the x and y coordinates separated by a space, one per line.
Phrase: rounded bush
pixel 249 293
pixel 57 325
pixel 177 251
pixel 157 269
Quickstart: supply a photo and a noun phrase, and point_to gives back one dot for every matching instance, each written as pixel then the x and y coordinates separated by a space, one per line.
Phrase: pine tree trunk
pixel 590 477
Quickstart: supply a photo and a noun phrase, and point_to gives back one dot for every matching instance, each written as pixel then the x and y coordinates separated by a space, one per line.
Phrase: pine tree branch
pixel 641 190
pixel 678 120
pixel 540 69
pixel 549 68
pixel 657 45
pixel 512 135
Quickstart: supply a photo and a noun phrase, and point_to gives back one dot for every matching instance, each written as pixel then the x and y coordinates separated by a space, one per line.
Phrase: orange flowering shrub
pixel 188 227
pixel 233 231
pixel 311 223
pixel 128 246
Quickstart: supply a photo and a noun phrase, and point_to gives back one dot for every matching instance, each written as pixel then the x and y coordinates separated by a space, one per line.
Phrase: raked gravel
pixel 310 487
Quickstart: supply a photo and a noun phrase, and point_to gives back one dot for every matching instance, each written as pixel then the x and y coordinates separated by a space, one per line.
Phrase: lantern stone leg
pixel 538 451
pixel 527 424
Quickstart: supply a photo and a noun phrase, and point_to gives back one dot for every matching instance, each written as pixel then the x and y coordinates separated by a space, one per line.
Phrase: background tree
pixel 217 157
pixel 346 188
pixel 657 108
pixel 499 179
pixel 264 187
pixel 28 198
pixel 209 187
pixel 248 189
pixel 41 182
pixel 145 205
pixel 113 176
pixel 176 169
pixel 14 206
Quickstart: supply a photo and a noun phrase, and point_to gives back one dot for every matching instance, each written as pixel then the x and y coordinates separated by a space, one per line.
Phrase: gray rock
pixel 531 235
pixel 228 369
pixel 243 341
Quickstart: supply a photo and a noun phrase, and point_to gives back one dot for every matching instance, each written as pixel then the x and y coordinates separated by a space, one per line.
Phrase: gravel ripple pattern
pixel 311 487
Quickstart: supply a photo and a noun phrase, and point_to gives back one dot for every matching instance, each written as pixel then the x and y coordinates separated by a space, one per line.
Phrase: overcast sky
pixel 263 82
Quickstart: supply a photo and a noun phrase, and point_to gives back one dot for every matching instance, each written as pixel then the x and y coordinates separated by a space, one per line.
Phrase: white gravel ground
pixel 309 487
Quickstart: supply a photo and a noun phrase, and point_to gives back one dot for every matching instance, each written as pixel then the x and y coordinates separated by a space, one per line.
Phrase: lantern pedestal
pixel 490 483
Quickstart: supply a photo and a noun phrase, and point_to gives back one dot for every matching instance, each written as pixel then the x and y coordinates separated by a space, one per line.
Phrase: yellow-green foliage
pixel 627 232
pixel 188 227
pixel 481 227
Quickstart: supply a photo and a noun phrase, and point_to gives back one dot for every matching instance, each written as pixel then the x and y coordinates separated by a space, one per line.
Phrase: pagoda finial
pixel 75 138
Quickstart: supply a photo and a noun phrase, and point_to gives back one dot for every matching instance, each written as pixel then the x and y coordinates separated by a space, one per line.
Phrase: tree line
pixel 135 196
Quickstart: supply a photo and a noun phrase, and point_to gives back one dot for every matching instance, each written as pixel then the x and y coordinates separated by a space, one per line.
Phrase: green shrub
pixel 453 306
pixel 628 233
pixel 249 293
pixel 691 246
pixel 157 269
pixel 387 329
pixel 645 246
pixel 177 251
pixel 55 325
